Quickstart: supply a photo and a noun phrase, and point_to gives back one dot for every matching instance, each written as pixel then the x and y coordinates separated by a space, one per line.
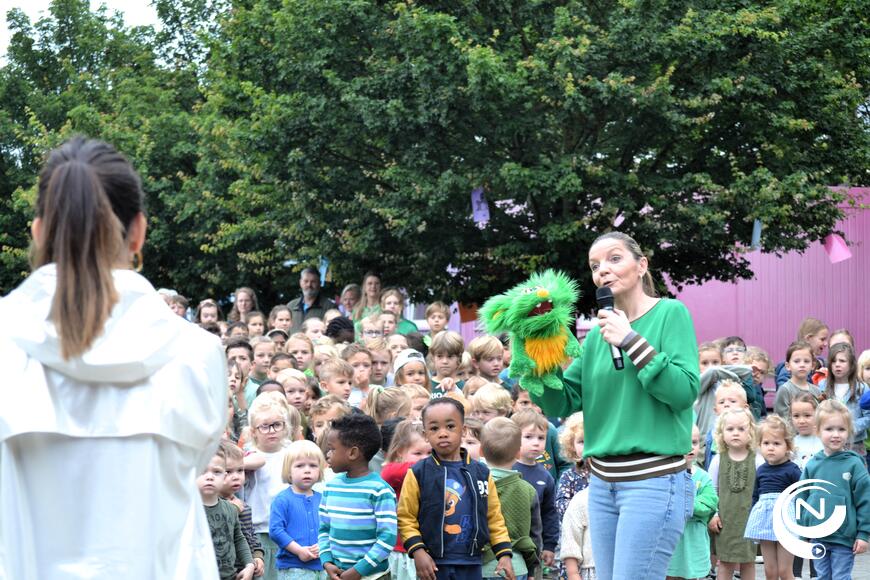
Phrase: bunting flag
pixel 479 207
pixel 836 248
pixel 324 269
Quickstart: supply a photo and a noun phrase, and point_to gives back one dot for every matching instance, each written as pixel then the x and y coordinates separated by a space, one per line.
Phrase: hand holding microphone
pixel 613 323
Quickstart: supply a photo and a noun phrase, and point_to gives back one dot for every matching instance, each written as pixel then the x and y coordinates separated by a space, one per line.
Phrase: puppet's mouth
pixel 541 308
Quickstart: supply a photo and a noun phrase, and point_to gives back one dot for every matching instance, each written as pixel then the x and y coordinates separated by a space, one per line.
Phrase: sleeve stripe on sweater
pixel 639 351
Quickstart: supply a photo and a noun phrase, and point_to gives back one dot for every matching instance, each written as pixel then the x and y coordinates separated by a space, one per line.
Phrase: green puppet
pixel 536 314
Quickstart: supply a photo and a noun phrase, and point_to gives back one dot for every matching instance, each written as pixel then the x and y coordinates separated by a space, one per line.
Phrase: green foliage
pixel 272 130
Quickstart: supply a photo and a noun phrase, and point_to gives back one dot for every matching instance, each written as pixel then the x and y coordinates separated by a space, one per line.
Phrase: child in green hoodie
pixel 844 470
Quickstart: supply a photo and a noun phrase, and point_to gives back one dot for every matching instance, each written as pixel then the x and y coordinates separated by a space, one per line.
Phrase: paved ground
pixel 860 572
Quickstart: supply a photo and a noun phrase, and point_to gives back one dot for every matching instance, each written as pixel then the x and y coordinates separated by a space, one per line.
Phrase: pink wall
pixel 767 310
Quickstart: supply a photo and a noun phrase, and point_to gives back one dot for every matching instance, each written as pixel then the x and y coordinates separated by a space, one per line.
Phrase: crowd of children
pixel 383 452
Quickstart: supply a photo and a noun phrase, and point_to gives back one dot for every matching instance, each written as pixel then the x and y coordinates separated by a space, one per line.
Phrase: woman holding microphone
pixel 638 419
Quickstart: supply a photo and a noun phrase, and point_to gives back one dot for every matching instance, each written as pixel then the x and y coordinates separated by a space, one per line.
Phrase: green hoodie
pixel 851 488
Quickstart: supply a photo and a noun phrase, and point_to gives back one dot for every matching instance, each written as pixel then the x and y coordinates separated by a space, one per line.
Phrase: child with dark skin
pixel 350 458
pixel 443 427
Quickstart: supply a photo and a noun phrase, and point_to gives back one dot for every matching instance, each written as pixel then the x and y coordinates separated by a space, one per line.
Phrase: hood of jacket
pixel 138 339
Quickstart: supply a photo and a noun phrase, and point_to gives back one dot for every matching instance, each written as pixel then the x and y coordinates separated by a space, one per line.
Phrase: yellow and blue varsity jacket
pixel 421 515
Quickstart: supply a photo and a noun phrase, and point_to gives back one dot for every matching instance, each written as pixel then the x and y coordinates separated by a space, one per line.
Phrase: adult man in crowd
pixel 311 304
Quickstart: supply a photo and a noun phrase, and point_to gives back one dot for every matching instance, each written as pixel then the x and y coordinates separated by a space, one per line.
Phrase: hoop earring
pixel 137 262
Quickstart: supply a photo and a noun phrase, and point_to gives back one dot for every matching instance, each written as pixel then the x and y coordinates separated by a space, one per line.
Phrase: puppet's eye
pixel 530 290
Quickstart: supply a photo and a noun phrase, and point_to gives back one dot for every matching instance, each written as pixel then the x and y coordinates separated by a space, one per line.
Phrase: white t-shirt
pixel 805 446
pixel 262 487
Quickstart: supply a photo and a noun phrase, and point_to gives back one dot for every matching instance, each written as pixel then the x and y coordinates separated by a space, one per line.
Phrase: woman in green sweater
pixel 638 420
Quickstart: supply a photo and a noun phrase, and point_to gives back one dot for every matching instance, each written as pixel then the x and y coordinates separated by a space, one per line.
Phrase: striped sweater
pixel 357 523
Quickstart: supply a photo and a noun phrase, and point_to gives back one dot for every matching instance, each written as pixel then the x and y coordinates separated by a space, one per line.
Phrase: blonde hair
pixel 324 405
pixel 287 375
pixel 863 362
pixel 833 407
pixel 754 353
pixel 302 337
pixel 392 292
pixel 485 346
pixel 260 339
pixel 492 397
pixel 415 391
pixel 733 385
pixel 530 418
pixel 707 346
pixel 403 437
pixel 472 385
pixel 326 349
pixel 719 433
pixel 571 429
pixel 297 450
pixel 266 403
pixel 334 366
pixel 810 327
pixel 383 404
pixel 501 440
pixel 775 425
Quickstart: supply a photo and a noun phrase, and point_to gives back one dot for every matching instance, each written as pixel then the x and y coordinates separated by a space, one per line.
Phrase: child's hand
pixel 448 385
pixel 860 547
pixel 715 525
pixel 240 505
pixel 332 571
pixel 350 574
pixel 315 549
pixel 425 565
pixel 505 569
pixel 306 555
pixel 247 573
pixel 548 557
pixel 259 567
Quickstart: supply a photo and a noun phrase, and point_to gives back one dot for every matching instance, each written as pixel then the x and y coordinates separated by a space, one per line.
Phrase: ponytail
pixel 85 191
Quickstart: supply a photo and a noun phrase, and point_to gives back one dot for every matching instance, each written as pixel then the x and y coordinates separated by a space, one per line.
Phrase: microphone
pixel 604 297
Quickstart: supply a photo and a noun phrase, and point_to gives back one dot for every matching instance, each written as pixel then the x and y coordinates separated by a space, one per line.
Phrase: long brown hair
pixel 88 195
pixel 852 376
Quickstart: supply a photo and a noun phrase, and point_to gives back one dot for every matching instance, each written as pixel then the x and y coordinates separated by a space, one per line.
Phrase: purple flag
pixel 479 207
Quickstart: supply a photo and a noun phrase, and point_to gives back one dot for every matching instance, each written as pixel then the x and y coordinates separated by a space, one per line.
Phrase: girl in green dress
pixel 733 473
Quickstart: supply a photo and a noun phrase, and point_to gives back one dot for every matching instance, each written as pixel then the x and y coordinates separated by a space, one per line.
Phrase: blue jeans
pixel 837 563
pixel 635 525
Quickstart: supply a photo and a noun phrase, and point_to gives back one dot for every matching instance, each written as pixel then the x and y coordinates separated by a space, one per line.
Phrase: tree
pixel 282 131
pixel 356 130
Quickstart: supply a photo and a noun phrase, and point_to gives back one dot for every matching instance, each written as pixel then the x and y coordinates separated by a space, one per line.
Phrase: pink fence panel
pixel 767 310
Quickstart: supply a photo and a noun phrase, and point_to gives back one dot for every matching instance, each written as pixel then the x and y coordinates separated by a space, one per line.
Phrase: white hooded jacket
pixel 99 454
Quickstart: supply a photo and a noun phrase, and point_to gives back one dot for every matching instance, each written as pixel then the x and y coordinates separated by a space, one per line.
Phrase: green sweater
pixel 851 488
pixel 635 410
pixel 518 500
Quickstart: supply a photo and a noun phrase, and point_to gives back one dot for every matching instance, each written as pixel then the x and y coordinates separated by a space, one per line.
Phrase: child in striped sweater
pixel 358 508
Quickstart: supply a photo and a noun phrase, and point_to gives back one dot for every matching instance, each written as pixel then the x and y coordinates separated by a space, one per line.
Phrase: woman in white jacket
pixel 111 404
